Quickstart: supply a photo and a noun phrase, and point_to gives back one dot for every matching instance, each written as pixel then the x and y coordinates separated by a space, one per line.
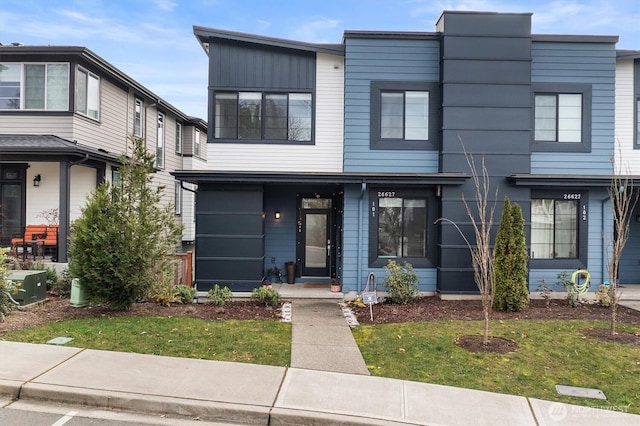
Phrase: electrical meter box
pixel 33 287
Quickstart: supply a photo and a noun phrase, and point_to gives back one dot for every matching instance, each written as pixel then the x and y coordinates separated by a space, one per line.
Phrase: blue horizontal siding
pixel 377 59
pixel 591 63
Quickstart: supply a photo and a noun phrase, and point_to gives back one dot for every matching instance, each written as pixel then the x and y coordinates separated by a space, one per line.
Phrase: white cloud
pixel 166 5
pixel 317 30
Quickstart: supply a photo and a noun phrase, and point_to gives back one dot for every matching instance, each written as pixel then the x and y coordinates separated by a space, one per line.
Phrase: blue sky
pixel 152 40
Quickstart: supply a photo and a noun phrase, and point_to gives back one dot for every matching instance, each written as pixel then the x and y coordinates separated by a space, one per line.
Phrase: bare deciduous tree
pixel 481 252
pixel 623 198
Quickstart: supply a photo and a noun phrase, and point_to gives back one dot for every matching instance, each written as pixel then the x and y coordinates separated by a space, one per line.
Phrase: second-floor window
pixel 558 117
pixel 137 118
pixel 34 86
pixel 178 138
pixel 404 115
pixel 178 197
pixel 263 116
pixel 88 94
pixel 196 143
pixel 160 141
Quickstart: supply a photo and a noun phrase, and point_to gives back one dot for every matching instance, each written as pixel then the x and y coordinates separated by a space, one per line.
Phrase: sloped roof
pixel 21 147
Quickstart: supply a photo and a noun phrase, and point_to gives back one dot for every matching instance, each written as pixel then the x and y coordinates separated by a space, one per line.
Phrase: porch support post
pixel 64 207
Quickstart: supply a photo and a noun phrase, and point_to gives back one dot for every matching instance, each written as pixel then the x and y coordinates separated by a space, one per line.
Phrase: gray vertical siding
pixel 486 81
pixel 384 59
pixel 589 63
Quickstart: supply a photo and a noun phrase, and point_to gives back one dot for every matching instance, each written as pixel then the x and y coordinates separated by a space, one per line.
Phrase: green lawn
pixel 258 342
pixel 550 352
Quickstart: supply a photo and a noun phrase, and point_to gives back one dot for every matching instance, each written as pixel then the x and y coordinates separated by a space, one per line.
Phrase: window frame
pixel 160 139
pixel 636 106
pixel 196 142
pixel 263 118
pixel 22 86
pixel 87 90
pixel 179 147
pixel 583 89
pixel 378 87
pixel 429 195
pixel 178 198
pixel 138 121
pixel 582 223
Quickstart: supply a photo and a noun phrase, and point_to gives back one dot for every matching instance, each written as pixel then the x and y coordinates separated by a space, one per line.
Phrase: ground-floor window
pixel 554 229
pixel 400 226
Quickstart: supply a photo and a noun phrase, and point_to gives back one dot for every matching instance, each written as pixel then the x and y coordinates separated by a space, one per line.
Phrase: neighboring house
pixel 342 157
pixel 628 151
pixel 65 116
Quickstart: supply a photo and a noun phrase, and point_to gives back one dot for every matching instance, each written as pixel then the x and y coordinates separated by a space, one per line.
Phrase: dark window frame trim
pixel 429 194
pixel 579 262
pixel 379 86
pixel 264 141
pixel 586 90
pixel 636 104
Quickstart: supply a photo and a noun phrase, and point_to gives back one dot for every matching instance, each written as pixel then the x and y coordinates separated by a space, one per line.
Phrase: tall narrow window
pixel 137 118
pixel 178 197
pixel 160 142
pixel 226 116
pixel 196 143
pixel 178 138
pixel 250 115
pixel 638 121
pixel 88 93
pixel 554 229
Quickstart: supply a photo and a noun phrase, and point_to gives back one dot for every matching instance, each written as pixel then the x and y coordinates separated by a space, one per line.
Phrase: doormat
pixel 317 285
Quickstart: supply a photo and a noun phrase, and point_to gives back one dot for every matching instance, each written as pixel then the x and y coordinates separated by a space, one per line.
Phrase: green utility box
pixel 79 297
pixel 33 288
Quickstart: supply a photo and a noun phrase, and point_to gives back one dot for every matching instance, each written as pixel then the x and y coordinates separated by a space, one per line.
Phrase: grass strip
pixel 550 352
pixel 256 342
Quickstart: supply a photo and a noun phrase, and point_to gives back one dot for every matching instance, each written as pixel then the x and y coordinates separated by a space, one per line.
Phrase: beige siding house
pixel 65 116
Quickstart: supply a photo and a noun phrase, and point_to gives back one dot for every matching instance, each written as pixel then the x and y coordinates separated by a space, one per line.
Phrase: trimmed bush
pixel 219 296
pixel 401 283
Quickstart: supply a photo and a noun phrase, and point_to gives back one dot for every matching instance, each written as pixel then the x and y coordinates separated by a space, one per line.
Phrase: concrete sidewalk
pixel 254 394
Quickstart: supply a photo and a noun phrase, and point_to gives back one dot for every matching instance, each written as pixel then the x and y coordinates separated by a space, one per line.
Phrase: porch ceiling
pixel 201 176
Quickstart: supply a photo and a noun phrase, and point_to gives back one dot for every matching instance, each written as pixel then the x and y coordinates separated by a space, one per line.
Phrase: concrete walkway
pixel 321 338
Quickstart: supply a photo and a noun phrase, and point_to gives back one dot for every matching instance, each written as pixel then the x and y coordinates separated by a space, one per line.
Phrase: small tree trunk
pixel 485 339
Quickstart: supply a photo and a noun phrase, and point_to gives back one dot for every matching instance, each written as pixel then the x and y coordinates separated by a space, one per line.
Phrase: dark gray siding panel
pixel 241 66
pixel 229 237
pixel 487 107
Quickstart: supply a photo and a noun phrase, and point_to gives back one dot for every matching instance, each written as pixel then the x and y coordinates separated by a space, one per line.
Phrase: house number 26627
pixel 571 196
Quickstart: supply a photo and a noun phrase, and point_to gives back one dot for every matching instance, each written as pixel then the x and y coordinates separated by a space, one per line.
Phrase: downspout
pixel 605 260
pixel 363 189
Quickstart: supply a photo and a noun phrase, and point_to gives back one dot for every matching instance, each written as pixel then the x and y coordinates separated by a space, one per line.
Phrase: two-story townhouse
pixel 66 114
pixel 389 117
pixel 627 151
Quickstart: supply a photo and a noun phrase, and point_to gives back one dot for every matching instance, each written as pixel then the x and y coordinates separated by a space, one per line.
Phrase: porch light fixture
pixel 277 214
pixel 36 180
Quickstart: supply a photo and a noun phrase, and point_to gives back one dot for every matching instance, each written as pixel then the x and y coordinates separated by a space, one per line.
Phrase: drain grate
pixel 580 392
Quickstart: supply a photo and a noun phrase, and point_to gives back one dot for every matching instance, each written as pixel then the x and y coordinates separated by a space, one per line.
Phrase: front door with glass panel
pixel 316 237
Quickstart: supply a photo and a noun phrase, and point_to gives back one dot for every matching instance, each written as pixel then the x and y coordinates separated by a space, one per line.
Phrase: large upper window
pixel 88 94
pixel 558 117
pixel 34 86
pixel 561 117
pixel 404 115
pixel 554 229
pixel 160 141
pixel 263 116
